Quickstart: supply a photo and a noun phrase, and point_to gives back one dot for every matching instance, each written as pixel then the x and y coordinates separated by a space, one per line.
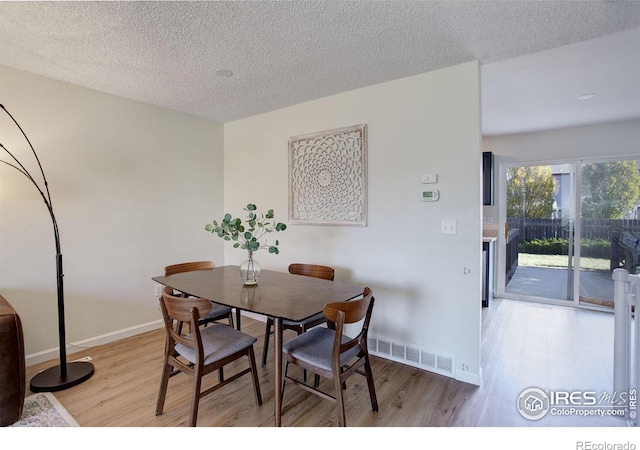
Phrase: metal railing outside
pixel 626 341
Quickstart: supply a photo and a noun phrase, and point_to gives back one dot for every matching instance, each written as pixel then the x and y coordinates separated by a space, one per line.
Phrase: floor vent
pixel 428 359
pixel 413 355
pixel 384 347
pixel 398 351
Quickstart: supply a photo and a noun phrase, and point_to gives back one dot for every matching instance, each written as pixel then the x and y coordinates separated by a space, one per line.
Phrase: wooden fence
pixel 557 228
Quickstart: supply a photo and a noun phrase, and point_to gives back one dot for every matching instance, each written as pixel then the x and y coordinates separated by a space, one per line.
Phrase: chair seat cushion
pixel 218 310
pixel 315 346
pixel 219 341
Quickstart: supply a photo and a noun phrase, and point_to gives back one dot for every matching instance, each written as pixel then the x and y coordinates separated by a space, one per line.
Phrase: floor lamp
pixel 67 374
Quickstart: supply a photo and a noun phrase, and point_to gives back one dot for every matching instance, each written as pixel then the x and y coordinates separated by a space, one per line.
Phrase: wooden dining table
pixel 280 295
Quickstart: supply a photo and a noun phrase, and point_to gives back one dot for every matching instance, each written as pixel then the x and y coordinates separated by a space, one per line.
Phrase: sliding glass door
pixel 540 236
pixel 552 257
pixel 608 227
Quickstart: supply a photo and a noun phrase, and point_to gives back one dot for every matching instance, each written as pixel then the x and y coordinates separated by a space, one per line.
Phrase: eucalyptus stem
pixel 248 235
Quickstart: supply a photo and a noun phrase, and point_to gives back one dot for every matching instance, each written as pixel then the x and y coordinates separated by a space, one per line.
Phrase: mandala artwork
pixel 327 177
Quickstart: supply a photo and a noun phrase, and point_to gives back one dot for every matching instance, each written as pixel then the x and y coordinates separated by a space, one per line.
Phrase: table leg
pixel 238 311
pixel 277 333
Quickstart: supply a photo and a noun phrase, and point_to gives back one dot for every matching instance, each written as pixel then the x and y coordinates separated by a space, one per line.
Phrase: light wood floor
pixel 524 345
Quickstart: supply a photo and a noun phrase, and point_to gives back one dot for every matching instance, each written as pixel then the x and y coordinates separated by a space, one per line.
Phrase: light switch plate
pixel 429 178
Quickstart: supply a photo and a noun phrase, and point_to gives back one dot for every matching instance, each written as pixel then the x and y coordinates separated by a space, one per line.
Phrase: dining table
pixel 280 295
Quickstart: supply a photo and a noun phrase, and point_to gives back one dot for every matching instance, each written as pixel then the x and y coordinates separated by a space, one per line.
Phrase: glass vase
pixel 250 271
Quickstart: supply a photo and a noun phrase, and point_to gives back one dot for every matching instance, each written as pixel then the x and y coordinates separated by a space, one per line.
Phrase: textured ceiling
pixel 283 53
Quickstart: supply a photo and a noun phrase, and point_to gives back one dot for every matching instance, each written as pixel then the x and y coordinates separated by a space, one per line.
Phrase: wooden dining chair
pixel 200 351
pixel 218 312
pixel 331 354
pixel 309 270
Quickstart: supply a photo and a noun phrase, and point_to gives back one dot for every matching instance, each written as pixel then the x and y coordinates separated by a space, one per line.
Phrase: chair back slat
pixel 188 267
pixel 312 270
pixel 179 308
pixel 354 310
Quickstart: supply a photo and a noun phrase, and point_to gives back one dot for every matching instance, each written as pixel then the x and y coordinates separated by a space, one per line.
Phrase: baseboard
pixel 469 377
pixel 54 353
pixel 405 356
pixel 439 362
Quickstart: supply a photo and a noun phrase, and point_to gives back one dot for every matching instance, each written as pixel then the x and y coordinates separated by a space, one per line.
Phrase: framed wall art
pixel 328 177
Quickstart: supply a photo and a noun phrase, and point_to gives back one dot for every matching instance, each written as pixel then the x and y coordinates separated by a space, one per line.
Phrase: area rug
pixel 44 410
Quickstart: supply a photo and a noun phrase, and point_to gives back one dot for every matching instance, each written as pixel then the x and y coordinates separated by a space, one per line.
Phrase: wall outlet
pixel 158 290
pixel 448 226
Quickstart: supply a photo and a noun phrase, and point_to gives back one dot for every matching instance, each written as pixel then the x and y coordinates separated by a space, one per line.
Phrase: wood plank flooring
pixel 524 345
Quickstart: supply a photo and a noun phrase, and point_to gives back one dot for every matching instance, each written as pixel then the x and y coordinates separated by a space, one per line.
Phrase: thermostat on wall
pixel 431 196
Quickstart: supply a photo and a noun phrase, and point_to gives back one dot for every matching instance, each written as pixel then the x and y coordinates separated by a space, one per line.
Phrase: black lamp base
pixel 51 380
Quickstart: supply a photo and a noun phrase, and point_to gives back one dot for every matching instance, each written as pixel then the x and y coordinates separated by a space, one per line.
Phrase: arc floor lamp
pixel 66 374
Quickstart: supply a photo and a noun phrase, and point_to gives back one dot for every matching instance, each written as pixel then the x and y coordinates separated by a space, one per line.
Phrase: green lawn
pixel 561 261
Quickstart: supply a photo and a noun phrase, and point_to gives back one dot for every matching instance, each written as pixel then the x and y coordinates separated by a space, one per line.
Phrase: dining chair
pixel 331 354
pixel 218 312
pixel 309 270
pixel 200 351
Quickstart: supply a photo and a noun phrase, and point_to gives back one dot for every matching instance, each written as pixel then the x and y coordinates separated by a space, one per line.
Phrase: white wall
pixel 429 123
pixel 132 187
pixel 590 141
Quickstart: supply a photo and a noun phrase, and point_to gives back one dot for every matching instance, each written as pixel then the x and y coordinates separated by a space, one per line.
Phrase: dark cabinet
pixel 488 250
pixel 487 178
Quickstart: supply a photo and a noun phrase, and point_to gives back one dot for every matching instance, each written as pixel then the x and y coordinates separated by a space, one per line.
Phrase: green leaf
pixel 247 233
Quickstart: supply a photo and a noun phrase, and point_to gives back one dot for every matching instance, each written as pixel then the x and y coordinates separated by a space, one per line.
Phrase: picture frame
pixel 328 177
